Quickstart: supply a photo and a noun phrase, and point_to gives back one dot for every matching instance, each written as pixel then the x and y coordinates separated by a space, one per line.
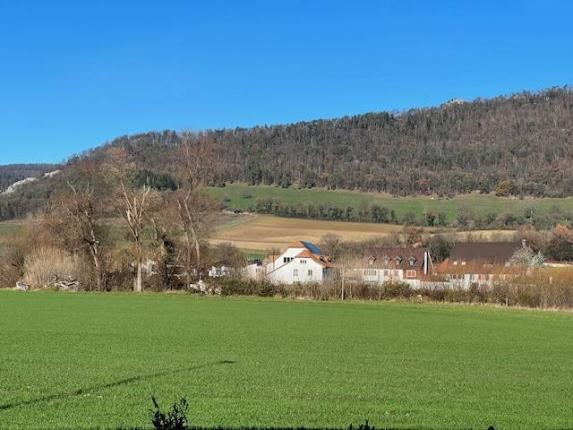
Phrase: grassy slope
pixel 479 204
pixel 90 360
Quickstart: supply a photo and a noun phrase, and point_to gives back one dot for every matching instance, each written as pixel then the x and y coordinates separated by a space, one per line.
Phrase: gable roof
pixel 308 245
pixel 394 258
pixel 484 252
pixel 320 259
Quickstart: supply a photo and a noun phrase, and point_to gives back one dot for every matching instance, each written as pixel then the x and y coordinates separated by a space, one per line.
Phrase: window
pixel 295 272
pixel 287 259
pixel 410 273
pixel 310 273
pixel 386 272
pixel 370 272
pixel 412 261
pixel 303 261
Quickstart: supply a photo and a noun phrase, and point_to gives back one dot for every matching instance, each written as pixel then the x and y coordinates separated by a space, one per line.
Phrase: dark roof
pixel 394 258
pixel 484 252
pixel 311 247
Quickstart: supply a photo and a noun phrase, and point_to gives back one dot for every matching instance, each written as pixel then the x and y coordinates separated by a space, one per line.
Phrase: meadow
pixel 94 360
pixel 242 197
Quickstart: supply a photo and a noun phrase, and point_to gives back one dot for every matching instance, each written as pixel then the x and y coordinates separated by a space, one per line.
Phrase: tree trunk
pixel 138 283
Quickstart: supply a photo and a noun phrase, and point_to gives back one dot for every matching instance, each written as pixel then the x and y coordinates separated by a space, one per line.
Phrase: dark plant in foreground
pixel 364 426
pixel 174 419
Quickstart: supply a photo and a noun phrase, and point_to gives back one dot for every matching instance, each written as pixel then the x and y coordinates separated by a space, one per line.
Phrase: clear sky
pixel 74 74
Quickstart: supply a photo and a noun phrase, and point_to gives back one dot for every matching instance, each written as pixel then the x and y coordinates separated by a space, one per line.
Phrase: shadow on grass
pixel 118 383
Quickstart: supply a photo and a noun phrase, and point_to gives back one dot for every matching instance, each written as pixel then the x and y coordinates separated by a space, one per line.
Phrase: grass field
pixel 477 204
pixel 90 361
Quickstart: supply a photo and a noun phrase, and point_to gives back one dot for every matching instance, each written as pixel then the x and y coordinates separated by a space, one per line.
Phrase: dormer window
pixel 386 260
pixel 398 260
pixel 412 261
pixel 371 260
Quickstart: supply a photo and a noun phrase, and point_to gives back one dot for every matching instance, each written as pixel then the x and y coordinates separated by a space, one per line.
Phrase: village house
pixel 302 262
pixel 394 264
pixel 478 263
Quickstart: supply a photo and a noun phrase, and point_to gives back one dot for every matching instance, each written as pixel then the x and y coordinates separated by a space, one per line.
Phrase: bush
pixel 44 265
pixel 241 287
pixel 174 419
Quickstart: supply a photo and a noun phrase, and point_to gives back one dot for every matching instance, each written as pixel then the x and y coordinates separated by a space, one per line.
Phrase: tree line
pixel 516 145
pixel 107 222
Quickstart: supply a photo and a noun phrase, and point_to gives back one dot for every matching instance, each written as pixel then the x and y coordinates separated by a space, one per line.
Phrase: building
pixel 302 262
pixel 478 263
pixel 395 264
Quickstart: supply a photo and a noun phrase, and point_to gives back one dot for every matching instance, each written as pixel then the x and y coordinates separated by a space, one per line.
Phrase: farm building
pixel 394 264
pixel 479 263
pixel 301 262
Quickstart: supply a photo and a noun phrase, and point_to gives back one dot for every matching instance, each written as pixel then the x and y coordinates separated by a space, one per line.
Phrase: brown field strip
pixel 263 232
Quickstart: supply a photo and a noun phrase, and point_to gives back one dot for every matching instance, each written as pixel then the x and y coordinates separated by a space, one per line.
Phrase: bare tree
pixel 195 210
pixel 74 217
pixel 135 205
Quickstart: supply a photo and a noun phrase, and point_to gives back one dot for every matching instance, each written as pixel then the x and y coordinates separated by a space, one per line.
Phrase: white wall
pixel 279 262
pixel 379 276
pixel 297 271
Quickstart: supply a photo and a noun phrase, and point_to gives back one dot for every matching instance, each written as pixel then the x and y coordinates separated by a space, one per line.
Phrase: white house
pixel 302 262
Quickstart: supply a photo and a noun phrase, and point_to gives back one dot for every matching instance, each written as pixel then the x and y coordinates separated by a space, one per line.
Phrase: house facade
pixel 479 263
pixel 302 262
pixel 395 264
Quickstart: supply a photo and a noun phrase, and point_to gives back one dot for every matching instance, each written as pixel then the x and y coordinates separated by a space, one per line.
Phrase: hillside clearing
pixel 242 197
pixel 94 360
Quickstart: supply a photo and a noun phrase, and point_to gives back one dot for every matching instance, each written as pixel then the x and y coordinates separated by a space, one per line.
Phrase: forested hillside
pixel 524 139
pixel 518 145
pixel 12 173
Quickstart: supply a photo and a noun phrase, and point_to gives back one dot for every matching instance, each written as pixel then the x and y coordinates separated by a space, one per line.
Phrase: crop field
pixel 93 361
pixel 262 232
pixel 254 233
pixel 241 196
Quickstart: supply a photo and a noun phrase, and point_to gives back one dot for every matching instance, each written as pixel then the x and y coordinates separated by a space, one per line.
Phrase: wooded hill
pixel 455 148
pixel 511 145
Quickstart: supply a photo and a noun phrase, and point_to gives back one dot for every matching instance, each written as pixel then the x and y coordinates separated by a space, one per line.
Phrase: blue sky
pixel 74 74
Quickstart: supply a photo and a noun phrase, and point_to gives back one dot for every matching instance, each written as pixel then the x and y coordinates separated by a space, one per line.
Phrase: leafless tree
pixel 134 210
pixel 194 209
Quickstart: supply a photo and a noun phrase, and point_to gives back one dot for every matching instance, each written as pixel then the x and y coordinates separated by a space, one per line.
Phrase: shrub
pixel 12 268
pixel 174 419
pixel 46 264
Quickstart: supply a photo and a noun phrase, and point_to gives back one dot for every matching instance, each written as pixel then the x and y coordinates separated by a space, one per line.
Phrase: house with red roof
pixel 302 262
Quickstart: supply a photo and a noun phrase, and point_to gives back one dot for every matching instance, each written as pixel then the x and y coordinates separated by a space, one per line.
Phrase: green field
pixel 90 361
pixel 476 204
